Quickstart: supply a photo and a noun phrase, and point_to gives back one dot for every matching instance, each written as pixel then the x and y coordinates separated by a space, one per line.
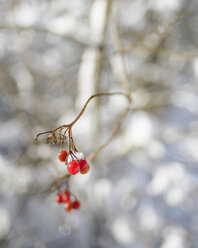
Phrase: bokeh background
pixel 142 190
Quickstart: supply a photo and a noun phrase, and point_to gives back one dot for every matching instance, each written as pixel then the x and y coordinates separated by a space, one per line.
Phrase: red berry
pixel 59 198
pixel 66 196
pixel 68 206
pixel 73 167
pixel 62 156
pixel 84 167
pixel 76 204
pixel 82 163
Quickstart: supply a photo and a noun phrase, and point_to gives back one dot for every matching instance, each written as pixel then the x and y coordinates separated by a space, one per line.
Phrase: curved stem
pixel 68 127
pixel 42 134
pixel 96 95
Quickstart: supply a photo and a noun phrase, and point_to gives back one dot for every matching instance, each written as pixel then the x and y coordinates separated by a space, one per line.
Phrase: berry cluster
pixel 74 164
pixel 64 197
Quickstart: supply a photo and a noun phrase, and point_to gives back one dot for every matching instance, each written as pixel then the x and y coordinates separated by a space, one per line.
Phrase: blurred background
pixel 142 190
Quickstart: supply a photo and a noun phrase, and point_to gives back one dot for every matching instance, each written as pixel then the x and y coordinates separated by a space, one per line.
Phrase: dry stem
pixel 68 127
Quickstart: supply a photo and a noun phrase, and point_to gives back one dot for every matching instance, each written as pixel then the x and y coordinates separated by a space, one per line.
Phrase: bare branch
pixel 113 133
pixel 93 96
pixel 45 31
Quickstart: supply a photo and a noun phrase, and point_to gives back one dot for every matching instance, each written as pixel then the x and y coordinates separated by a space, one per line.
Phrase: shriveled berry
pixel 85 170
pixel 66 196
pixel 62 156
pixel 73 167
pixel 59 198
pixel 76 204
pixel 84 167
pixel 68 206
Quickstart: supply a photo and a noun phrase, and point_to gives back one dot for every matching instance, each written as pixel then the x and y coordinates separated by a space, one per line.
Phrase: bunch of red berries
pixel 64 197
pixel 75 162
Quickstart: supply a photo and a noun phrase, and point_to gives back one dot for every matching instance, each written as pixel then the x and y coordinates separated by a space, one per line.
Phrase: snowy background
pixel 142 190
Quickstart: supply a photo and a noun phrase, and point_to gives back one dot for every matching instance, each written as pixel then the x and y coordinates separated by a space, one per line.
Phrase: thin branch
pixel 93 96
pixel 51 132
pixel 56 182
pixel 69 126
pixel 159 29
pixel 45 31
pixel 42 134
pixel 125 83
pixel 120 55
pixel 113 133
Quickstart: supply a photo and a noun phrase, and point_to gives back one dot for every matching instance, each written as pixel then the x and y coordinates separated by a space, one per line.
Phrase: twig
pixel 68 127
pixel 93 96
pixel 56 182
pixel 125 83
pixel 45 31
pixel 160 29
pixel 113 133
